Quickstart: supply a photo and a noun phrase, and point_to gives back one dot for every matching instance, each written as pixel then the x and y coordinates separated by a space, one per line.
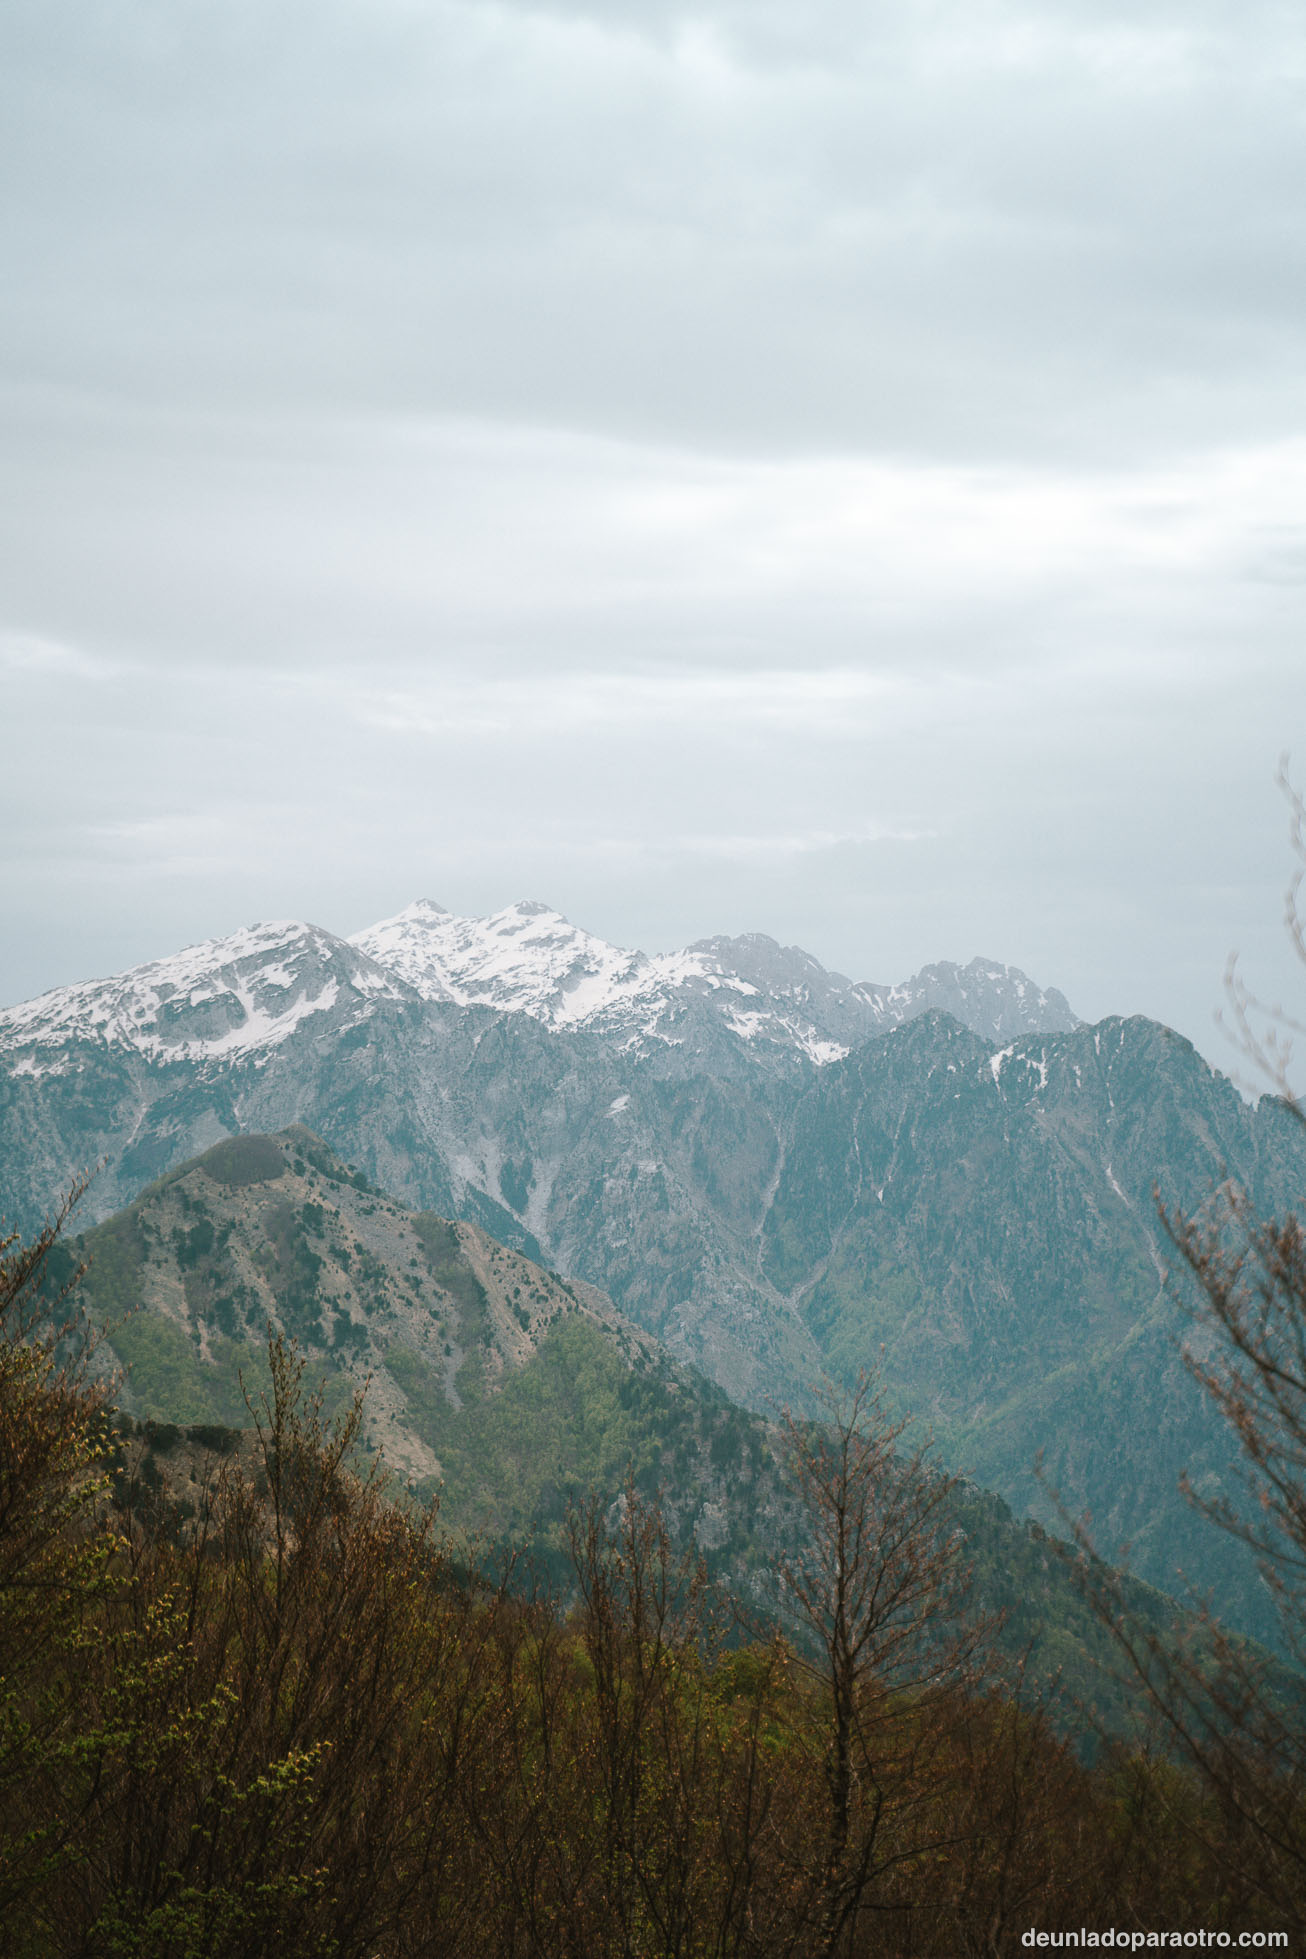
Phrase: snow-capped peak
pixel 524 959
pixel 529 959
pixel 223 998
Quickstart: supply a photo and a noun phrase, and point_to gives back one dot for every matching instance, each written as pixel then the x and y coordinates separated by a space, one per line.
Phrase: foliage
pixel 54 1559
pixel 170 1381
pixel 281 1718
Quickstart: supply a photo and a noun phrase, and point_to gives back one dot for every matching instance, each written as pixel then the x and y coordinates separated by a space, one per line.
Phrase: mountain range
pixel 779 1174
pixel 244 994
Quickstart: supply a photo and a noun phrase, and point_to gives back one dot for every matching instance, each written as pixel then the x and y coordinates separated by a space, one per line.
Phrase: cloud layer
pixel 837 471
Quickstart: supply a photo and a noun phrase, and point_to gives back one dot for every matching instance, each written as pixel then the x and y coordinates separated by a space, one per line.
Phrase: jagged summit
pixel 997 1001
pixel 528 958
pixel 220 999
pixel 523 959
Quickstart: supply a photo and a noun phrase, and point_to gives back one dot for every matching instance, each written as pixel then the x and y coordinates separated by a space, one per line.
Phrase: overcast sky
pixel 836 470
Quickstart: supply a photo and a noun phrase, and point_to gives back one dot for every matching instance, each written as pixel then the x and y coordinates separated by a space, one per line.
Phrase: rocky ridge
pixel 530 959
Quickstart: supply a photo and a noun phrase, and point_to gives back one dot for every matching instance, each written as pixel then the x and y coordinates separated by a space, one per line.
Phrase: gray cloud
pixel 832 470
pixel 963 229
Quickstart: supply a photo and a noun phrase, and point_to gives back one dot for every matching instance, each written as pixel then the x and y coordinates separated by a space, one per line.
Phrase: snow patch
pixel 29 1065
pixel 996 1061
pixel 260 1029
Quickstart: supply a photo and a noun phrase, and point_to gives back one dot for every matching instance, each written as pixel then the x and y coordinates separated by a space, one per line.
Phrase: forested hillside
pixel 285 1715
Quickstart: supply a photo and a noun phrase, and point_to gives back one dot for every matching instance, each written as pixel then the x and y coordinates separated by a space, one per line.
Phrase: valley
pixel 486 1382
pixel 966 1192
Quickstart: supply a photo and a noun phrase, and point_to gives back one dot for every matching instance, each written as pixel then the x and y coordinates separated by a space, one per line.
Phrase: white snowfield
pixel 222 998
pixel 241 996
pixel 526 959
pixel 529 959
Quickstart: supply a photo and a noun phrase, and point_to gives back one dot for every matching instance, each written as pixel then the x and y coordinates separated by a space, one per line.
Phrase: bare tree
pixel 1263 1032
pixel 882 1591
pixel 1236 1714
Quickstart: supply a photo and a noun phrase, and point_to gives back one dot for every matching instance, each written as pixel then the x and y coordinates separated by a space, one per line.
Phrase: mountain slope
pixel 223 1000
pixel 229 998
pixel 275 1231
pixel 987 1222
pixel 514 1392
